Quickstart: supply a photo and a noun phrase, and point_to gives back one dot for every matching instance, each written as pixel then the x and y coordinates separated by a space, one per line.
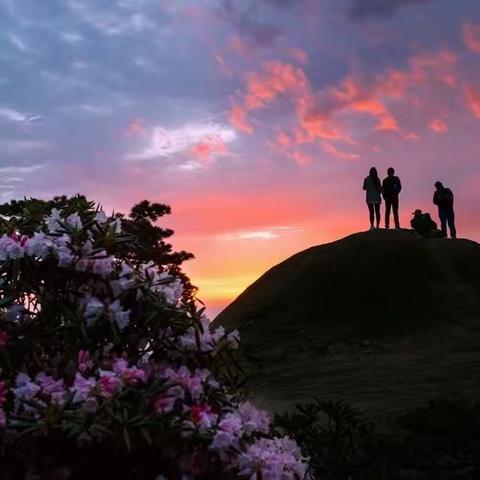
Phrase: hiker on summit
pixel 373 189
pixel 443 198
pixel 391 188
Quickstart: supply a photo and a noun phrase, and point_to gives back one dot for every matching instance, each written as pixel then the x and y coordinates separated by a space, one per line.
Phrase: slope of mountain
pixel 383 319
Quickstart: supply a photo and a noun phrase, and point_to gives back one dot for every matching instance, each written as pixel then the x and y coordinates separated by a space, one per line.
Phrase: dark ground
pixel 383 320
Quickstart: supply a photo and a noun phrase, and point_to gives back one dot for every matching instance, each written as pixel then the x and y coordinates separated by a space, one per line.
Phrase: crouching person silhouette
pixel 424 226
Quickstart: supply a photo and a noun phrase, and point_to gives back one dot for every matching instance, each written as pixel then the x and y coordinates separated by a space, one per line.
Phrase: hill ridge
pixel 386 294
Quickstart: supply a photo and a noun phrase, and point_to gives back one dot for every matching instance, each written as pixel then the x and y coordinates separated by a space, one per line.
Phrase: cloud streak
pixel 199 139
pixel 20 118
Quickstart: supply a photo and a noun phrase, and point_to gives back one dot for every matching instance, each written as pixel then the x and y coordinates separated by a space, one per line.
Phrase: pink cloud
pixel 472 97
pixel 276 79
pixel 238 119
pixel 332 150
pixel 438 125
pixel 471 36
pixel 136 128
pixel 283 139
pixel 210 145
pixel 300 158
pixel 412 136
pixel 321 115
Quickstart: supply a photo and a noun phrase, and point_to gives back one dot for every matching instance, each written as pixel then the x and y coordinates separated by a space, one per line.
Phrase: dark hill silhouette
pixel 382 319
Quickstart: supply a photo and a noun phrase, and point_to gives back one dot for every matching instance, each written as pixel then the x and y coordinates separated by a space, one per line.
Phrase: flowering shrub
pixel 107 369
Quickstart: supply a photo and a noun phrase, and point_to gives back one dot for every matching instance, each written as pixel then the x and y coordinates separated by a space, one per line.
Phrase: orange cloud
pixel 472 97
pixel 316 122
pixel 210 145
pixel 238 119
pixel 423 68
pixel 372 106
pixel 332 150
pixel 319 114
pixel 471 36
pixel 283 139
pixel 277 78
pixel 439 66
pixel 362 99
pixel 438 125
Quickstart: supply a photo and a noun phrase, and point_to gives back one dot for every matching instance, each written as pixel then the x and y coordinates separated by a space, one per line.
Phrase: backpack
pixel 446 197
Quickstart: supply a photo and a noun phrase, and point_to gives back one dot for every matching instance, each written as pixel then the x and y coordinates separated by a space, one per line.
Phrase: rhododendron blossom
pixel 100 347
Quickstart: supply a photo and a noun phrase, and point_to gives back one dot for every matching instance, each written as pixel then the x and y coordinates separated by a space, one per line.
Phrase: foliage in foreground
pixel 437 441
pixel 107 368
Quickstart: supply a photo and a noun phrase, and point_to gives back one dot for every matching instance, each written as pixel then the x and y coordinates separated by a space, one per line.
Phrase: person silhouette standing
pixel 443 199
pixel 373 189
pixel 391 188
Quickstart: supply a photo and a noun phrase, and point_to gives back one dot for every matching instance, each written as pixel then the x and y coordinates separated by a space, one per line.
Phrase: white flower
pixel 101 217
pixel 39 245
pixel 223 441
pixel 254 420
pixel 53 221
pixel 172 291
pixel 10 248
pixel 116 225
pixel 25 390
pixel 74 221
pixel 82 387
pixel 126 270
pixel 15 250
pixel 103 266
pixel 4 241
pixel 120 316
pixel 65 258
pixel 272 459
pixel 93 309
pixel 233 339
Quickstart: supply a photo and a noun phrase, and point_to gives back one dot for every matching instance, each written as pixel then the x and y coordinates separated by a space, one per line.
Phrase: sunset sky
pixel 255 120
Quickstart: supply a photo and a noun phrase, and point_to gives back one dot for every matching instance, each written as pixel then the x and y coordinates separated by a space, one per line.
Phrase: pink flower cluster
pixel 207 340
pixel 162 283
pixel 40 245
pixel 85 258
pixel 32 395
pixel 233 426
pixel 189 399
pixel 272 459
pixel 234 433
pixel 183 385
